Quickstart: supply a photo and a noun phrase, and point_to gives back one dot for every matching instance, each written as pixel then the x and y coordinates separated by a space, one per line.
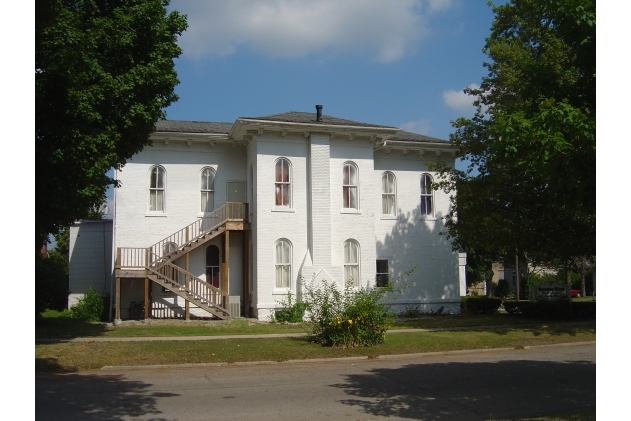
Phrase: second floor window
pixel 388 194
pixel 282 185
pixel 156 189
pixel 426 195
pixel 349 186
pixel 208 190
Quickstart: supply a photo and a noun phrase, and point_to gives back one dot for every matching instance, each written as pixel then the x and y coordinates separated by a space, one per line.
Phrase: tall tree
pixel 531 185
pixel 104 72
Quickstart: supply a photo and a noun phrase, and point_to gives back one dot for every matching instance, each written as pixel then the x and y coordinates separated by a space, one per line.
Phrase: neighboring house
pixel 225 219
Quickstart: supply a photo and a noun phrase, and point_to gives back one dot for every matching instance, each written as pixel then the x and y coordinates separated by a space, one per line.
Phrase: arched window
pixel 283 263
pixel 388 194
pixel 427 205
pixel 157 184
pixel 351 263
pixel 350 183
pixel 208 189
pixel 212 265
pixel 282 185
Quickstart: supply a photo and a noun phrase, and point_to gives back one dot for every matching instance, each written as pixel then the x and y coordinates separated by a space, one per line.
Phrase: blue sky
pixel 401 63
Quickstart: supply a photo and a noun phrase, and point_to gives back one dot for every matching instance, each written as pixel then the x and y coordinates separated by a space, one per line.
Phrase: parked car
pixel 576 293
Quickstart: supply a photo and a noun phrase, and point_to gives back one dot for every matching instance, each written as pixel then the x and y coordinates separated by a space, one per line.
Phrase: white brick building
pixel 270 202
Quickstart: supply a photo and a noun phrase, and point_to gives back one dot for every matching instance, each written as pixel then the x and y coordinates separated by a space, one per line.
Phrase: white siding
pixel 90 258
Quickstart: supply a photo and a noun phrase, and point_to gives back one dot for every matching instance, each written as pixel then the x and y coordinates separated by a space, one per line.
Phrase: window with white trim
pixel 212 265
pixel 427 195
pixel 157 189
pixel 388 194
pixel 351 263
pixel 207 190
pixel 350 184
pixel 283 264
pixel 383 273
pixel 282 186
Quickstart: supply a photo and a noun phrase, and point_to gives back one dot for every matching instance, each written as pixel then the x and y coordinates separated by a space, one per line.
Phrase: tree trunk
pixel 568 282
pixel 583 291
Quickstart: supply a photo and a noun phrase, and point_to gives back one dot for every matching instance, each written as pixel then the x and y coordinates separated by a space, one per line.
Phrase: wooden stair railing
pixel 179 240
pixel 191 288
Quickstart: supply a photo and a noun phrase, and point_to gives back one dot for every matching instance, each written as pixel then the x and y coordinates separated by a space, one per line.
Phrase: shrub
pixel 51 284
pixel 501 289
pixel 90 307
pixel 542 309
pixel 480 305
pixel 584 308
pixel 291 311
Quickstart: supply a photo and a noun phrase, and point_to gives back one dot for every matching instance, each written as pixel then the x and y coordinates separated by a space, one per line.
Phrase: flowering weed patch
pixel 351 318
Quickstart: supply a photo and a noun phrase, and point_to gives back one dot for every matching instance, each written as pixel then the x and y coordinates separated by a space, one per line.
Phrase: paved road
pixel 458 386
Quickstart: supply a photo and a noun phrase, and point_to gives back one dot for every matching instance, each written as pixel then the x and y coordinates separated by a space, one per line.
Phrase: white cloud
pixel 458 100
pixel 294 28
pixel 420 126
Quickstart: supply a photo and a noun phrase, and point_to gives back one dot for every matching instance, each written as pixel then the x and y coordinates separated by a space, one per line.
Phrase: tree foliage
pixel 531 183
pixel 104 73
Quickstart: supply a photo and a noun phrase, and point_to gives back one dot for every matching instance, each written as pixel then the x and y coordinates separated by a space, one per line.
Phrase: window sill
pixel 390 217
pixel 156 214
pixel 428 218
pixel 281 291
pixel 286 210
pixel 351 211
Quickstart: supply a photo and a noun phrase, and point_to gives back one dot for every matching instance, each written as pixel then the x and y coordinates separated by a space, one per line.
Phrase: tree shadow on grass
pixel 67 328
pixel 473 391
pixel 94 397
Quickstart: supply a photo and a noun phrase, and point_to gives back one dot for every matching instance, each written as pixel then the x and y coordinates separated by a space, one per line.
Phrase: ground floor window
pixel 383 273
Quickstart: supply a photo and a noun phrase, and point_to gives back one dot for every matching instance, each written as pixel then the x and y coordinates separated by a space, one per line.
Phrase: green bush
pixel 51 284
pixel 480 305
pixel 291 311
pixel 541 309
pixel 584 308
pixel 502 289
pixel 90 307
pixel 349 318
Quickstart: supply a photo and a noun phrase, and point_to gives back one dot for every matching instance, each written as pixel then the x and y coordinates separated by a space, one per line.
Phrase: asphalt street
pixel 456 386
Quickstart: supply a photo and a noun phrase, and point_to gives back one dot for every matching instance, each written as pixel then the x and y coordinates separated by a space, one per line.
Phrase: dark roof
pixel 192 126
pixel 178 126
pixel 310 118
pixel 414 137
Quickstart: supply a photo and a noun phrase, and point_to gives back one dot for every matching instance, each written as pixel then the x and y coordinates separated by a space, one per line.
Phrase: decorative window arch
pixel 427 195
pixel 283 263
pixel 388 194
pixel 350 186
pixel 282 185
pixel 212 265
pixel 351 262
pixel 157 188
pixel 207 189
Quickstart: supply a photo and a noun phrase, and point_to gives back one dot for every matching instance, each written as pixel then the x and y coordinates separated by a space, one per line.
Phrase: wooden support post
pixel 118 298
pixel 246 273
pixel 147 298
pixel 226 256
pixel 187 304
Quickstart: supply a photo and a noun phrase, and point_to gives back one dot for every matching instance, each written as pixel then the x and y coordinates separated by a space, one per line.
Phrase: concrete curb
pixel 341 359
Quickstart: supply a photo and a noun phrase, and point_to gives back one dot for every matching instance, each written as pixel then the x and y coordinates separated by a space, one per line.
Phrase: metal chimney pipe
pixel 319 113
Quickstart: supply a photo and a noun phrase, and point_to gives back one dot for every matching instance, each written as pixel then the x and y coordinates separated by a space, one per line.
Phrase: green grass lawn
pixel 467 332
pixel 59 325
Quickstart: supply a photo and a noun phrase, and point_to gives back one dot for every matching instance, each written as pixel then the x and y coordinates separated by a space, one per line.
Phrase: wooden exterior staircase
pixel 156 262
